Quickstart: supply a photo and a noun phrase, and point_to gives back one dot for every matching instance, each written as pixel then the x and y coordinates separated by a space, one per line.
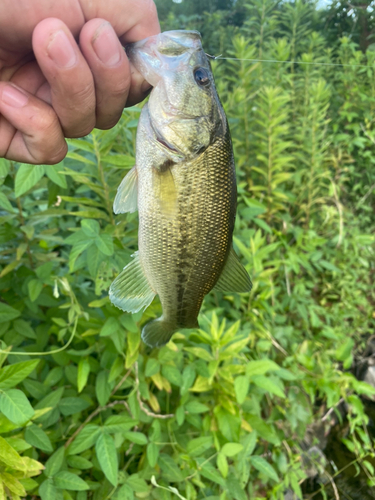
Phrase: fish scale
pixel 184 188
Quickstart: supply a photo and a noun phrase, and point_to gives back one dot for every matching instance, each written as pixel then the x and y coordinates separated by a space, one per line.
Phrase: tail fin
pixel 158 332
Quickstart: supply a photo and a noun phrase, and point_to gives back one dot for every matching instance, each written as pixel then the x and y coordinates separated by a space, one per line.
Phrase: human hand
pixel 50 86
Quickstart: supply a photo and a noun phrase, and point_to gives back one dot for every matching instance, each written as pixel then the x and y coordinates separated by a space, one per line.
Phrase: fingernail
pixel 106 45
pixel 61 50
pixel 13 96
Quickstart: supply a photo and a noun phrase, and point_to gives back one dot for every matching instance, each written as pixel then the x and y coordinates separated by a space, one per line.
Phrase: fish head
pixel 184 109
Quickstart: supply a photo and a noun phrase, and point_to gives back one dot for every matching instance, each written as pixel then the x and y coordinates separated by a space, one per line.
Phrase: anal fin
pixel 234 277
pixel 127 193
pixel 131 291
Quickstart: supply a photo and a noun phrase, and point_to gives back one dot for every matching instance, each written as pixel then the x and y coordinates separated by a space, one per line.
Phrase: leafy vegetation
pixel 229 411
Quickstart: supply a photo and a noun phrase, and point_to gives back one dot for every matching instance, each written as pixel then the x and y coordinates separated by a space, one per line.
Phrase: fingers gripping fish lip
pixel 157 54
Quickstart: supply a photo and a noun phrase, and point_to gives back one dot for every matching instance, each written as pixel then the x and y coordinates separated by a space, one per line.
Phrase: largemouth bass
pixel 184 187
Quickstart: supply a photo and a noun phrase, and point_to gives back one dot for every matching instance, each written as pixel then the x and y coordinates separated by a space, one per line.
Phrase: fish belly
pixel 183 248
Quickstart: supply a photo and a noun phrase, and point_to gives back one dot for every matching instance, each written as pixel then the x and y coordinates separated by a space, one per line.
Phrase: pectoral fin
pixel 127 193
pixel 234 277
pixel 131 290
pixel 167 192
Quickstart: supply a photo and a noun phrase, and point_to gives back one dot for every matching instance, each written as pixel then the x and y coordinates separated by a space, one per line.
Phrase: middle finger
pixel 69 76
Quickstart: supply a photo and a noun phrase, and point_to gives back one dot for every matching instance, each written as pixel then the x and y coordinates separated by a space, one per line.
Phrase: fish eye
pixel 201 77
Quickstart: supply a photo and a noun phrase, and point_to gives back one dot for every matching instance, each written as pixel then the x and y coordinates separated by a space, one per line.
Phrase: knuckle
pixel 116 94
pixel 83 96
pixel 43 121
pixel 76 110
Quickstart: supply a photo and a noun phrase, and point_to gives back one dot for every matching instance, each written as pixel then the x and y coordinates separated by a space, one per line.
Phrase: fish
pixel 183 185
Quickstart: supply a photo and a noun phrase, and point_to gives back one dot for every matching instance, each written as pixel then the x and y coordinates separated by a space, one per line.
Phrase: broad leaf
pixel 107 457
pixel 26 178
pixel 15 406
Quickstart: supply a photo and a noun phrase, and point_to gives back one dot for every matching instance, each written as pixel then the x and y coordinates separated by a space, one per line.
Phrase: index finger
pixel 132 20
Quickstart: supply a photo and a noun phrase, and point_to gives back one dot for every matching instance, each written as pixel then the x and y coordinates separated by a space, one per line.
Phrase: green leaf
pixel 26 178
pixel 152 454
pixel 107 457
pixel 94 258
pixel 260 367
pixel 5 203
pixel 67 481
pixel 125 493
pixel 70 406
pixel 196 407
pixel 222 464
pixel 241 388
pixel 152 367
pixel 199 445
pixel 110 326
pixel 9 456
pixel 7 313
pixel 264 430
pixel 77 462
pixel 90 227
pixel 208 470
pixel 231 449
pixel 137 484
pixel 85 439
pixel 200 353
pixel 53 172
pixel 24 329
pixel 104 243
pixel 118 423
pixel 34 287
pixel 29 484
pixel 268 385
pixel 188 377
pixel 54 463
pixel 48 491
pixel 12 484
pixel 36 436
pixel 264 467
pixel 50 401
pixel 249 442
pixel 119 160
pixel 169 468
pixel 4 168
pixel 136 437
pixel 263 224
pixel 83 373
pixel 102 388
pixel 76 250
pixel 172 374
pixel 15 406
pixel 12 375
pixel 344 351
pixel 54 376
